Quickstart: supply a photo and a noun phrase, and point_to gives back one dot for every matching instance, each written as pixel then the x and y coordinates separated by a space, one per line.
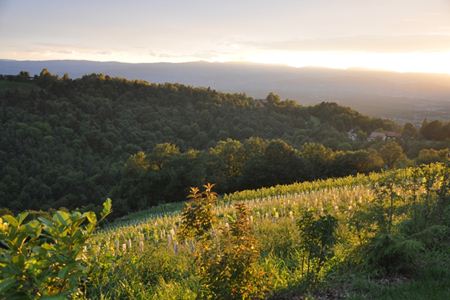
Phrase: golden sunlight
pixel 438 62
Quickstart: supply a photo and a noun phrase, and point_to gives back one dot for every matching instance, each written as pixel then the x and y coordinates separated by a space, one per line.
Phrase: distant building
pixel 377 135
pixel 351 134
pixel 383 135
pixel 392 135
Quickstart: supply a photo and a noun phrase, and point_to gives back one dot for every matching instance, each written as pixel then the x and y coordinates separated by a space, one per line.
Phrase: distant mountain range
pixel 404 97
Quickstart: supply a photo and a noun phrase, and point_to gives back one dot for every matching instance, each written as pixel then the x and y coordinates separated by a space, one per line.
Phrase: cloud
pixel 45 51
pixel 385 44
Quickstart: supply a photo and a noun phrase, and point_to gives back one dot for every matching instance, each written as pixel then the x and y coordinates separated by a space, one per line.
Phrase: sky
pixel 395 35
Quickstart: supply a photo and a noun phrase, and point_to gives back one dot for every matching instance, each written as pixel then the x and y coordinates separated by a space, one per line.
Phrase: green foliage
pixel 385 205
pixel 394 253
pixel 433 236
pixel 64 142
pixel 392 154
pixel 137 163
pixel 400 242
pixel 318 238
pixel 45 256
pixel 409 131
pixel 161 154
pixel 435 130
pixel 197 217
pixel 228 265
pixel 261 247
pixel 149 273
pixel 233 165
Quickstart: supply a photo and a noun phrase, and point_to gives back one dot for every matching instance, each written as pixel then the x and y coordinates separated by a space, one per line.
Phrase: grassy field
pixel 148 259
pixel 377 236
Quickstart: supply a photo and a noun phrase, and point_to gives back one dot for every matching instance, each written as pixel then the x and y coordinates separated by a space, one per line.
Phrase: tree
pixel 46 78
pixel 392 154
pixel 23 76
pixel 427 156
pixel 318 236
pixel 433 130
pixel 283 162
pixel 227 160
pixel 66 77
pixel 352 162
pixel 94 124
pixel 132 187
pixel 409 131
pixel 161 154
pixel 446 130
pixel 137 163
pixel 318 159
pixel 273 99
pixel 44 73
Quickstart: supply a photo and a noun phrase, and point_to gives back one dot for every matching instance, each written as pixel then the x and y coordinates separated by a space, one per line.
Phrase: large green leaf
pixel 92 218
pixel 22 216
pixel 61 217
pixel 107 205
pixel 11 220
pixel 64 271
pixel 6 284
pixel 33 227
pixel 48 223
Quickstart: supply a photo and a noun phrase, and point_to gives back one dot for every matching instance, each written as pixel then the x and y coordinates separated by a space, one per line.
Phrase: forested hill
pixel 404 97
pixel 64 142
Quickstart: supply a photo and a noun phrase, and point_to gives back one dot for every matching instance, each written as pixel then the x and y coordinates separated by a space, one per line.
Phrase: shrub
pixel 197 217
pixel 45 256
pixel 393 253
pixel 228 265
pixel 318 237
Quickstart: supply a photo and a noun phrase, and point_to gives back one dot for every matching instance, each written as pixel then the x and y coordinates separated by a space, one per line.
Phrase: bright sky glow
pixel 438 62
pixel 400 35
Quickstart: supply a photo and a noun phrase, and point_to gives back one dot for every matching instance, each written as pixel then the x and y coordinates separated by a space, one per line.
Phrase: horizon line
pixel 375 70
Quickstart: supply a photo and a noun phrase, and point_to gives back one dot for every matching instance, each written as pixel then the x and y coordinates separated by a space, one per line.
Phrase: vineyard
pixel 353 237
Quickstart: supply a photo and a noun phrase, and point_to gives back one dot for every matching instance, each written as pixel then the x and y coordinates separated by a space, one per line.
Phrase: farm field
pixel 380 236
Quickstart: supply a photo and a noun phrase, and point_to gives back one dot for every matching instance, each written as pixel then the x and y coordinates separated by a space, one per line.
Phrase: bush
pixel 318 237
pixel 228 266
pixel 393 253
pixel 197 217
pixel 45 256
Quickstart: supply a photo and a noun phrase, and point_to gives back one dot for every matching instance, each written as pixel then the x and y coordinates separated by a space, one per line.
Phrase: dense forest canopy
pixel 403 97
pixel 70 143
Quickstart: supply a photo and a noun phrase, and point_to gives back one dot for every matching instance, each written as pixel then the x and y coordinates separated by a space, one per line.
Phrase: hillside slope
pixel 403 97
pixel 65 141
pixel 388 239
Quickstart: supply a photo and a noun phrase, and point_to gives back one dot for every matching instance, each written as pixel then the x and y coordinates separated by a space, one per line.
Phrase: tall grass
pixel 395 208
